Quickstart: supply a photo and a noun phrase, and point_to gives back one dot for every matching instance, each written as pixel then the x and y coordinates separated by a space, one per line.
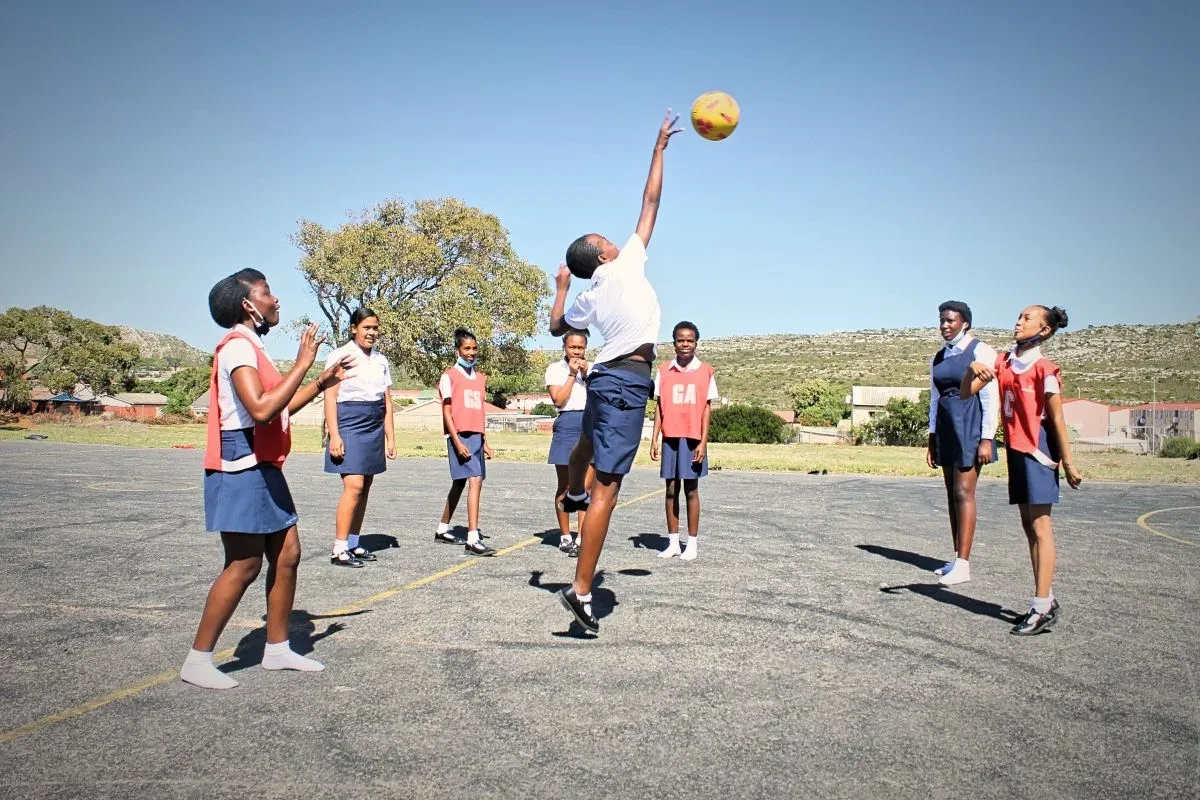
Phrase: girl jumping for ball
pixel 1035 436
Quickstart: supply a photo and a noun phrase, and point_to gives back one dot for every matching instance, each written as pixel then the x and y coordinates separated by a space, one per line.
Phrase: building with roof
pixel 870 401
pixel 1086 419
pixel 1156 421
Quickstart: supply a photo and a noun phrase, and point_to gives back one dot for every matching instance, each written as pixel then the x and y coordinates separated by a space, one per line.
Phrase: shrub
pixel 746 424
pixel 544 410
pixel 1180 447
pixel 905 424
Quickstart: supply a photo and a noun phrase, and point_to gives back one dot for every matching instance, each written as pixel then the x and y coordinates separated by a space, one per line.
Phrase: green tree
pixel 817 401
pixel 905 423
pixel 747 424
pixel 427 268
pixel 544 410
pixel 59 349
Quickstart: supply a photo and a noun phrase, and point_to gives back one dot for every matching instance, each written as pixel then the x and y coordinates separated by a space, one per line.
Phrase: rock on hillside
pixel 171 351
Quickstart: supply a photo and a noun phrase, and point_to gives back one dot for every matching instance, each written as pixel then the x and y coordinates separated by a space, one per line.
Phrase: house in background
pixel 133 405
pixel 1156 421
pixel 525 403
pixel 1086 419
pixel 870 401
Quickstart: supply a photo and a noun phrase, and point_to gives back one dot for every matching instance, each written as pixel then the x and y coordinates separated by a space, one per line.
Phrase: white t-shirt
pixel 692 366
pixel 371 376
pixel 620 303
pixel 556 375
pixel 237 352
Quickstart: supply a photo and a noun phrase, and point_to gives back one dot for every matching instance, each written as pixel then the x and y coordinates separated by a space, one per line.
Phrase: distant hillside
pixel 1112 364
pixel 164 350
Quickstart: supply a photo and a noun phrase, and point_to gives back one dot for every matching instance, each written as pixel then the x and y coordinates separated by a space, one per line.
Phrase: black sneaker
pixel 569 506
pixel 565 545
pixel 446 538
pixel 581 611
pixel 1035 623
pixel 363 554
pixel 573 550
pixel 345 559
pixel 479 549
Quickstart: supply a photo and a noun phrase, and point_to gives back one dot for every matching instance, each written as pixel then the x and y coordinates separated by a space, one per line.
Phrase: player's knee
pixel 245 570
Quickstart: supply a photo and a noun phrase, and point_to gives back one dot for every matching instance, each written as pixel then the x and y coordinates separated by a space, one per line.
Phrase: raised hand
pixel 563 279
pixel 667 130
pixel 341 370
pixel 310 340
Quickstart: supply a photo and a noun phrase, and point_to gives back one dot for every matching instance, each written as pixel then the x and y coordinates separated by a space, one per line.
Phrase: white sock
pixel 199 670
pixel 443 527
pixel 672 548
pixel 693 546
pixel 1041 605
pixel 579 496
pixel 586 599
pixel 353 540
pixel 281 656
pixel 564 539
pixel 960 561
pixel 472 537
pixel 340 546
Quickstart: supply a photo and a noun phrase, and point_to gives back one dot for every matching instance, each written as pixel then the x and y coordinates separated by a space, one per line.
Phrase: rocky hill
pixel 1116 364
pixel 164 350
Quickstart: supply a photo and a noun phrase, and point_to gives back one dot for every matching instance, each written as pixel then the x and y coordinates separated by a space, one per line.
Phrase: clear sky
pixel 891 155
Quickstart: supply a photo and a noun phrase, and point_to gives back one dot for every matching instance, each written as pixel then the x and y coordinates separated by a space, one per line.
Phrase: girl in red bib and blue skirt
pixel 685 390
pixel 1035 438
pixel 246 497
pixel 462 390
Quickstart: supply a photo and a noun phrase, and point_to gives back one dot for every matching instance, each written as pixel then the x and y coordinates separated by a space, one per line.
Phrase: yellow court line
pixel 1141 521
pixel 223 655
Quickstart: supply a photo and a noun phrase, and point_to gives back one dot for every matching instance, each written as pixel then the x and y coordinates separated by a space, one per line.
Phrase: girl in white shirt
pixel 565 380
pixel 358 417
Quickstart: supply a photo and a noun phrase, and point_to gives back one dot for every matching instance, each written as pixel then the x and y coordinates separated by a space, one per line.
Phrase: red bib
pixel 1023 401
pixel 682 396
pixel 466 400
pixel 272 440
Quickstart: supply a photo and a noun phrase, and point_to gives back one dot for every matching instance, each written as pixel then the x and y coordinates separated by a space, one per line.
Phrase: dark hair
pixel 461 335
pixel 583 257
pixel 361 314
pixel 575 332
pixel 1056 318
pixel 959 307
pixel 225 298
pixel 685 326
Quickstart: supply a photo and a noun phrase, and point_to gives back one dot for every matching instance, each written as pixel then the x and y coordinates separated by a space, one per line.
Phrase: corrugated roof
pixel 143 398
pixel 879 395
pixel 1167 407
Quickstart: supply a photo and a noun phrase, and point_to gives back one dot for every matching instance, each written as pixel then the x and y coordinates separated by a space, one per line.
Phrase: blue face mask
pixel 462 362
pixel 1037 337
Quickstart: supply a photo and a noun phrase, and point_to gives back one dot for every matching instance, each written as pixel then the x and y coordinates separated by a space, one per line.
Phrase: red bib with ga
pixel 466 400
pixel 682 396
pixel 1023 401
pixel 272 440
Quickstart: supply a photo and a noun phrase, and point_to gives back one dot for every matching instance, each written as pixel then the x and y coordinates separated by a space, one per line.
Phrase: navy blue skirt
pixel 1029 480
pixel 959 430
pixel 615 415
pixel 254 500
pixel 677 464
pixel 475 466
pixel 568 425
pixel 360 424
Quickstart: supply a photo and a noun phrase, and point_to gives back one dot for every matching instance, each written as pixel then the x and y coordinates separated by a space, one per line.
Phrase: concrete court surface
pixel 807 652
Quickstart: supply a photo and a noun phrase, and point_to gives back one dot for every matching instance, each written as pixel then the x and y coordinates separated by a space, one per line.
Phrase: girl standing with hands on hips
pixel 246 497
pixel 358 416
pixel 1035 436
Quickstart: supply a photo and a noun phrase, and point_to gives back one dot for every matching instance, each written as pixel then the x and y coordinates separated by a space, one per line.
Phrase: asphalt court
pixel 808 651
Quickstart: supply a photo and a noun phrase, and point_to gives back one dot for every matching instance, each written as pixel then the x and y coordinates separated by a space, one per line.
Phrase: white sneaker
pixel 960 572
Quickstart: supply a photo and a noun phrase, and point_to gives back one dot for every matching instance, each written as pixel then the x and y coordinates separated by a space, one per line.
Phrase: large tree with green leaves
pixel 817 401
pixel 427 268
pixel 59 350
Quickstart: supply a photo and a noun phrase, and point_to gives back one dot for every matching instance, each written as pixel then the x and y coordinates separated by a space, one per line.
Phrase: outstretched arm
pixel 653 192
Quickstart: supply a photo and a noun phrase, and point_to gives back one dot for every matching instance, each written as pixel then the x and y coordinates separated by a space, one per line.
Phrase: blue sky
pixel 890 156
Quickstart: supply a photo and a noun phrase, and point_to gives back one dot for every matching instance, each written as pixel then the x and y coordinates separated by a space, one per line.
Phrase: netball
pixel 715 115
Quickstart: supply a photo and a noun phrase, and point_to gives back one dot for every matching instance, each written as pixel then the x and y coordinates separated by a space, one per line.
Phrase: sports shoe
pixel 565 545
pixel 944 568
pixel 567 505
pixel 573 550
pixel 959 572
pixel 345 559
pixel 363 554
pixel 479 549
pixel 446 538
pixel 581 611
pixel 1035 623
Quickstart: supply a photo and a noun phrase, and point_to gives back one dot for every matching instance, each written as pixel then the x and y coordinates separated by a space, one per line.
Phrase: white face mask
pixel 957 338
